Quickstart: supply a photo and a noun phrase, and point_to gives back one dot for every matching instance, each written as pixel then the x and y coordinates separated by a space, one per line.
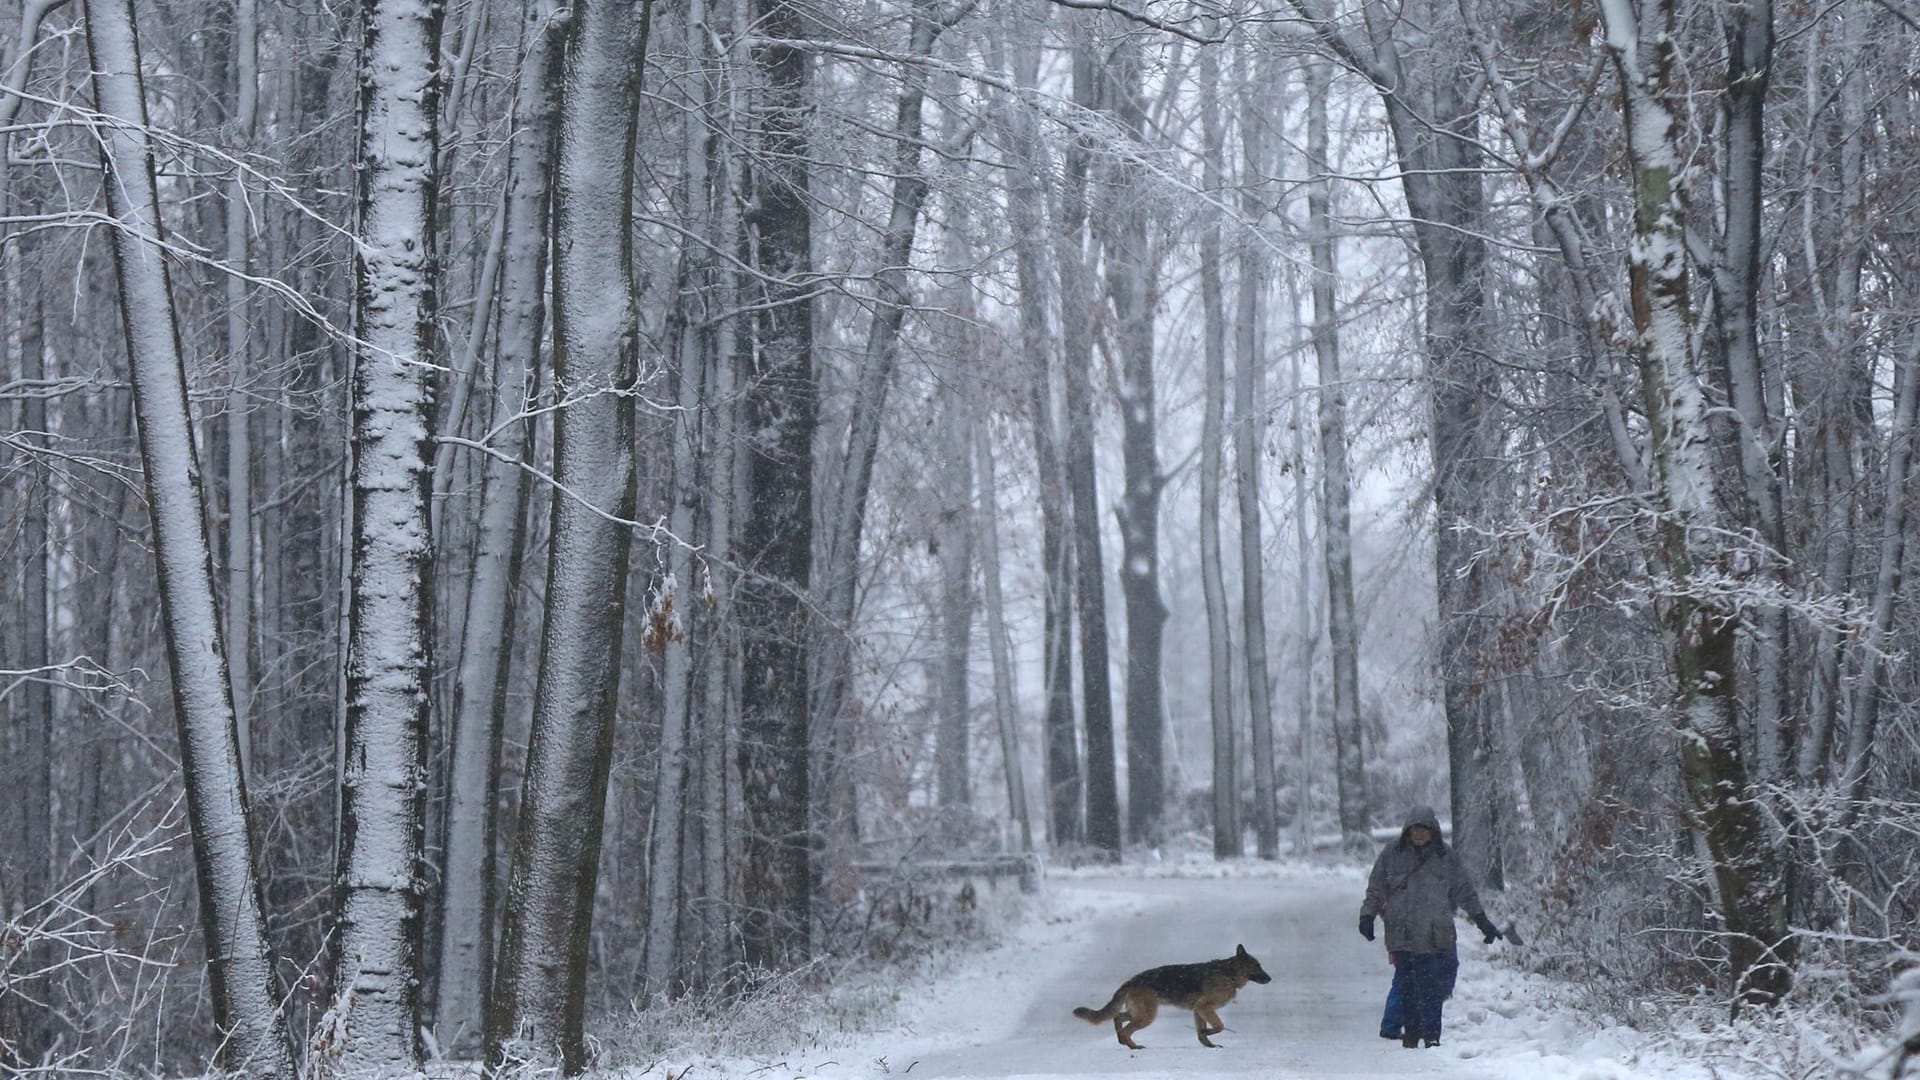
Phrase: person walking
pixel 1417 883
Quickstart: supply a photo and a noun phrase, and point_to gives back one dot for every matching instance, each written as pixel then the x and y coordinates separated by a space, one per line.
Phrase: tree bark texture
pixel 773 540
pixel 1698 627
pixel 469 874
pixel 239 964
pixel 539 995
pixel 381 885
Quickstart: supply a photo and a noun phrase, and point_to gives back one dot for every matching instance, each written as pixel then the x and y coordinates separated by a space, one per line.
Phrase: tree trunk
pixel 719 742
pixel 381 884
pixel 1698 627
pixel 1005 711
pixel 1306 706
pixel 540 984
pixel 671 629
pixel 1736 287
pixel 239 965
pixel 845 526
pixel 469 879
pixel 1103 797
pixel 1025 201
pixel 1343 641
pixel 33 716
pixel 1132 288
pixel 952 744
pixel 1226 754
pixel 1247 436
pixel 1435 135
pixel 777 420
pixel 1864 729
pixel 239 406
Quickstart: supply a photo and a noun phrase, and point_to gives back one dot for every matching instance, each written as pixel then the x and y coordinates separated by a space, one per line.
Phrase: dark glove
pixel 1486 927
pixel 1366 927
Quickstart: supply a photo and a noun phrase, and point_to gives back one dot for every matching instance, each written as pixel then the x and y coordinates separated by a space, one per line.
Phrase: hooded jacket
pixel 1418 888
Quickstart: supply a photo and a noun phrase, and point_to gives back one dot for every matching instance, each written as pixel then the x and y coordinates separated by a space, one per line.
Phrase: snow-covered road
pixel 1317 1018
pixel 1008 1013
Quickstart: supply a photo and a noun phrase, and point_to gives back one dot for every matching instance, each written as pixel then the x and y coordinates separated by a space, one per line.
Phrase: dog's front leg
pixel 1207 1022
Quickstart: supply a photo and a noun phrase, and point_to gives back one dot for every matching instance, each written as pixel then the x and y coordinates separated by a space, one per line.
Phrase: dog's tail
pixel 1102 1015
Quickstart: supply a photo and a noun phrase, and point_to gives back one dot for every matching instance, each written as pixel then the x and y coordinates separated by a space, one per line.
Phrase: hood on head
pixel 1423 816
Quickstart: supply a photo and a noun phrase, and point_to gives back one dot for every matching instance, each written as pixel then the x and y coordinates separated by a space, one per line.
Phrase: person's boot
pixel 1410 1041
pixel 1433 1042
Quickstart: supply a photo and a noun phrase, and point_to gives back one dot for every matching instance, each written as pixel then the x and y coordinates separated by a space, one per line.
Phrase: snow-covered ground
pixel 1007 1011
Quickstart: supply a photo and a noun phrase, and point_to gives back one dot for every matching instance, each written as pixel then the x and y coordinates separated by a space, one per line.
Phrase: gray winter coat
pixel 1418 888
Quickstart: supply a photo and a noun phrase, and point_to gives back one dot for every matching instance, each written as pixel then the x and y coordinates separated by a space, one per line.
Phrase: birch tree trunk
pixel 469 879
pixel 778 415
pixel 239 964
pixel 1698 627
pixel 1343 644
pixel 1227 841
pixel 1247 436
pixel 381 885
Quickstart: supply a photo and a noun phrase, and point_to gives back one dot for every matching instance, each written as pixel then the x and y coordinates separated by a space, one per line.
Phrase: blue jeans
pixel 1392 1019
pixel 1421 984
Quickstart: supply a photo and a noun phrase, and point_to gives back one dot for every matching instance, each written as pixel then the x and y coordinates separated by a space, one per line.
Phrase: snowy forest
pixel 517 512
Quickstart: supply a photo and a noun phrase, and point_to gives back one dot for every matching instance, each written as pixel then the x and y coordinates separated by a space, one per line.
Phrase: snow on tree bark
pixel 1698 625
pixel 381 884
pixel 777 419
pixel 469 875
pixel 239 965
pixel 540 982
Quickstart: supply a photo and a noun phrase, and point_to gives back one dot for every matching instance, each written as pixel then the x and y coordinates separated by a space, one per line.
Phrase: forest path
pixel 1012 1017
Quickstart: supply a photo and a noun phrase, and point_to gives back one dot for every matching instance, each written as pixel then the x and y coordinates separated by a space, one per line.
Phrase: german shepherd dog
pixel 1202 987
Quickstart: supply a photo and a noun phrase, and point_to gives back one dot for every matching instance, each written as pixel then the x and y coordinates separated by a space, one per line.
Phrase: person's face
pixel 1420 835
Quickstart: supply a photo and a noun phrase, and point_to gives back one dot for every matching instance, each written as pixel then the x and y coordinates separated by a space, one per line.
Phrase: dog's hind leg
pixel 1141 1009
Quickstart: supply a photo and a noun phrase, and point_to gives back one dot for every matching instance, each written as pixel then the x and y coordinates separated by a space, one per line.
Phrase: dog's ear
pixel 1239 950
